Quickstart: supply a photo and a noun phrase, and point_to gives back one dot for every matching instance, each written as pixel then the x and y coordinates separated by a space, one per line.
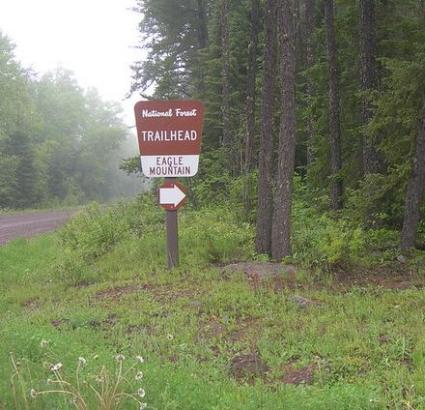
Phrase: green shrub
pixel 207 235
pixel 94 231
pixel 320 239
pixel 215 235
pixel 142 216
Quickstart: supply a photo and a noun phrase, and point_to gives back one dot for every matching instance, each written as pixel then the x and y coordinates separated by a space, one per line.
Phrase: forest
pixel 313 101
pixel 301 277
pixel 60 145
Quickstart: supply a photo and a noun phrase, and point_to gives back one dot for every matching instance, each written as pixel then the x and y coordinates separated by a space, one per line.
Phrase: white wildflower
pixel 143 406
pixel 56 367
pixel 100 379
pixel 170 336
pixel 141 392
pixel 33 393
pixel 140 359
pixel 44 343
pixel 82 361
pixel 119 357
pixel 139 376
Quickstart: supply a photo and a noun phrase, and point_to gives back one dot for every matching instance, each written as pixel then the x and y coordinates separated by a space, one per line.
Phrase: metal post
pixel 172 236
pixel 172 240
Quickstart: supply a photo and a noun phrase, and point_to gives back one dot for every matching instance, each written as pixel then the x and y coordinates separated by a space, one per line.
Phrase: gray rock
pixel 401 259
pixel 302 302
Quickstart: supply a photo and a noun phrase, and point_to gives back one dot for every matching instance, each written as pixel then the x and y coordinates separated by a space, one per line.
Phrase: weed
pixel 88 388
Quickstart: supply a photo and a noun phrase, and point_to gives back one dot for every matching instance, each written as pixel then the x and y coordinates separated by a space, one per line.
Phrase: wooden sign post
pixel 169 134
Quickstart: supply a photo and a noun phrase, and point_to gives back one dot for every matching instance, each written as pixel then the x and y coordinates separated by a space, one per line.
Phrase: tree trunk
pixel 281 230
pixel 202 25
pixel 202 31
pixel 298 33
pixel 310 19
pixel 265 172
pixel 368 80
pixel 251 80
pixel 415 191
pixel 334 108
pixel 225 51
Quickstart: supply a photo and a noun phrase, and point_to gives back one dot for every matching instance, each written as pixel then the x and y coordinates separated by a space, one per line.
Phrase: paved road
pixel 30 224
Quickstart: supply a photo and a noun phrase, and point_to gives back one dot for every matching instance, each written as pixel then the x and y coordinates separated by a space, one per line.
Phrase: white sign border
pixel 169 166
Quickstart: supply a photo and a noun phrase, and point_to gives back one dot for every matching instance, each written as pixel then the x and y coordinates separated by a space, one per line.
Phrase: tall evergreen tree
pixel 225 54
pixel 202 31
pixel 251 85
pixel 415 190
pixel 334 107
pixel 265 167
pixel 281 229
pixel 310 18
pixel 368 80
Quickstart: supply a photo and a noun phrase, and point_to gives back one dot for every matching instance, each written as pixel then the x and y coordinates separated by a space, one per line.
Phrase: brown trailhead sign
pixel 172 195
pixel 169 134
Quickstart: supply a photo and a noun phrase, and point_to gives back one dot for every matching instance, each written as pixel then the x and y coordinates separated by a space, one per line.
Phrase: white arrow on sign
pixel 171 196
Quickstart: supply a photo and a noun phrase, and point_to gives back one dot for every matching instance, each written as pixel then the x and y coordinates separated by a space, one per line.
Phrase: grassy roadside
pixel 99 288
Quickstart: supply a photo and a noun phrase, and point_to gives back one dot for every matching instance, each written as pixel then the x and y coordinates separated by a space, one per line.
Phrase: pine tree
pixel 225 54
pixel 334 108
pixel 310 18
pixel 368 80
pixel 251 85
pixel 281 229
pixel 265 168
pixel 415 190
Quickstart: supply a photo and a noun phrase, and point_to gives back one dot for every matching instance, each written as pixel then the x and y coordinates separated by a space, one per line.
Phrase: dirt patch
pixel 140 329
pixel 159 292
pixel 244 330
pixel 164 293
pixel 383 339
pixel 248 367
pixel 395 275
pixel 118 293
pixel 408 363
pixel 31 304
pixel 247 329
pixel 392 275
pixel 264 274
pixel 211 329
pixel 293 375
pixel 397 282
pixel 58 323
pixel 105 324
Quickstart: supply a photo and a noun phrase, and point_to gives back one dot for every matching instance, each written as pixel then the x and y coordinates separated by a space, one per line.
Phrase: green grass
pixel 366 345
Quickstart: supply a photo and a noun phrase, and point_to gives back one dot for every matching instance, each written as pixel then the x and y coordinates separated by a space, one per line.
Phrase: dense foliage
pixel 379 71
pixel 59 144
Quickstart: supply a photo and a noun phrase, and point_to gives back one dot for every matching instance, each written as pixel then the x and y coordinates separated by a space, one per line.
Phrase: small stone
pixel 401 259
pixel 302 302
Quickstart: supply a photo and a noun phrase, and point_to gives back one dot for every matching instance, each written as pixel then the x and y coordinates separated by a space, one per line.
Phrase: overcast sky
pixel 93 38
